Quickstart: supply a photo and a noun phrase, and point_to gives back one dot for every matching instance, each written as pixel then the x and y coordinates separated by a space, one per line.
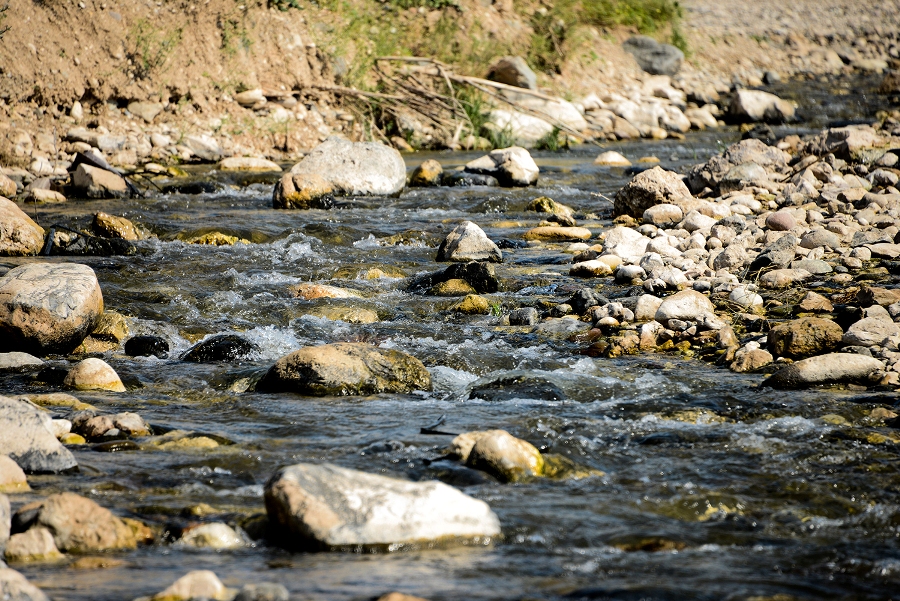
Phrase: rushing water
pixel 712 487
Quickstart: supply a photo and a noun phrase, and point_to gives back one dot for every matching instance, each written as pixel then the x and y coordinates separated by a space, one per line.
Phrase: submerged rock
pixel 26 436
pixel 146 346
pixel 199 584
pixel 223 347
pixel 48 308
pixel 346 368
pixel 355 168
pixel 327 507
pixel 825 369
pixel 468 242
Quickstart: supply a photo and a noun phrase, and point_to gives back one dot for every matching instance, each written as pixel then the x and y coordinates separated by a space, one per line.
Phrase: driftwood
pixel 430 90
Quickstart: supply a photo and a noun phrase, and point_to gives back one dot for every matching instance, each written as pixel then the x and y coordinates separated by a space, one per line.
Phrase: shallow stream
pixel 713 488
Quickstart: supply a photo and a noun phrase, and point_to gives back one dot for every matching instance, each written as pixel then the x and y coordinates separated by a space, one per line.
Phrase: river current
pixel 711 488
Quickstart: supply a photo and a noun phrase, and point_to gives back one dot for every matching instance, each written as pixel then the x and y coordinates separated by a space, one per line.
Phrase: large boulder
pixel 468 242
pixel 825 369
pixel 648 188
pixel 327 507
pixel 511 166
pixel 48 308
pixel 513 71
pixel 78 524
pixel 346 368
pixel 26 435
pixel 756 105
pixel 653 57
pixel 804 337
pixel 15 587
pixel 355 168
pixel 19 234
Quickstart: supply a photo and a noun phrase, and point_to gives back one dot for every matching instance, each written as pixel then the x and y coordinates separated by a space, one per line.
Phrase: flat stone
pixel 825 369
pixel 248 164
pixel 875 295
pixel 814 302
pixel 326 507
pixel 813 266
pixel 820 238
pixel 346 369
pixel 556 233
pixel 99 183
pixel 17 361
pixel 782 278
pixel 687 305
pixel 311 291
pixel 870 331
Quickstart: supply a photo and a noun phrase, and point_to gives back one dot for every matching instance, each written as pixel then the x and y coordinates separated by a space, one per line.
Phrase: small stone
pixel 590 269
pixel 93 374
pixel 815 303
pixel 781 221
pixel 648 188
pixel 472 305
pixel 214 535
pixel 110 226
pixel 263 591
pixel 663 215
pixel 454 287
pixel 147 346
pixel 310 291
pixel 199 584
pixel 36 544
pixel 428 174
pixel 804 337
pixel 12 479
pixel 248 164
pixel 303 191
pixel 223 347
pixel 499 453
pixel 551 233
pixel 527 316
pixel 612 158
pixel 468 242
pixel 511 166
pixel 18 361
pixel 750 360
pixel 783 278
pixel 687 305
pixel 44 195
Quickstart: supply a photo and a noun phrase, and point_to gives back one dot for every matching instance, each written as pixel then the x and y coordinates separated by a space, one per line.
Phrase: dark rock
pixel 224 347
pixel 145 346
pixel 191 188
pixel 513 71
pixel 66 242
pixel 778 254
pixel 653 57
pixel 584 299
pixel 761 132
pixel 481 276
pixel 517 386
pixel 527 316
pixel 464 178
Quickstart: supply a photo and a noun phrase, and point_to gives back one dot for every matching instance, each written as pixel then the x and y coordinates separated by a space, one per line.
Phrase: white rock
pixel 511 166
pixel 687 305
pixel 612 158
pixel 745 297
pixel 626 243
pixel 525 130
pixel 356 168
pixel 215 535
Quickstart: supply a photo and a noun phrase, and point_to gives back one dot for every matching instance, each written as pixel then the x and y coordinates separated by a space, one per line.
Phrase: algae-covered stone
pixel 311 291
pixel 455 287
pixel 499 453
pixel 346 314
pixel 346 368
pixel 557 233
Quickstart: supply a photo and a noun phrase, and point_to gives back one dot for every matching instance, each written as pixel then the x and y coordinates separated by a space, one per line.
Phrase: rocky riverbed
pixel 508 374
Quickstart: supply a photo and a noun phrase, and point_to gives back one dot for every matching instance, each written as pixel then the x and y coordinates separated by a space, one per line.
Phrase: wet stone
pixel 224 347
pixel 147 346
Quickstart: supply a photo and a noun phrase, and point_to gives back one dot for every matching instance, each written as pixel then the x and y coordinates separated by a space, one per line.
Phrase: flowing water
pixel 711 488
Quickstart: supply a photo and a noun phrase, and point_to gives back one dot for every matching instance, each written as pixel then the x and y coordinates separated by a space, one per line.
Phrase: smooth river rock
pixel 825 369
pixel 356 168
pixel 687 305
pixel 346 368
pixel 19 234
pixel 79 524
pixel 326 507
pixel 93 374
pixel 48 307
pixel 498 453
pixel 756 105
pixel 26 436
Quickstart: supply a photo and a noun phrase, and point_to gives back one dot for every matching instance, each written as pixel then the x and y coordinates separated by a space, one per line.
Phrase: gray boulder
pixel 346 368
pixel 356 168
pixel 468 242
pixel 648 188
pixel 756 105
pixel 513 71
pixel 48 308
pixel 26 435
pixel 825 369
pixel 329 507
pixel 653 57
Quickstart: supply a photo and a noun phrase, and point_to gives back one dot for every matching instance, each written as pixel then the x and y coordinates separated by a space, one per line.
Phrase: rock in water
pixel 78 524
pixel 468 242
pixel 99 183
pixel 427 174
pixel 356 168
pixel 648 188
pixel 26 436
pixel 263 591
pixel 12 479
pixel 653 57
pixel 15 587
pixel 199 584
pixel 825 369
pixel 756 105
pixel 19 234
pixel 145 346
pixel 499 453
pixel 93 374
pixel 303 191
pixel 511 166
pixel 224 347
pixel 327 507
pixel 513 71
pixel 34 545
pixel 480 276
pixel 345 368
pixel 5 516
pixel 48 308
